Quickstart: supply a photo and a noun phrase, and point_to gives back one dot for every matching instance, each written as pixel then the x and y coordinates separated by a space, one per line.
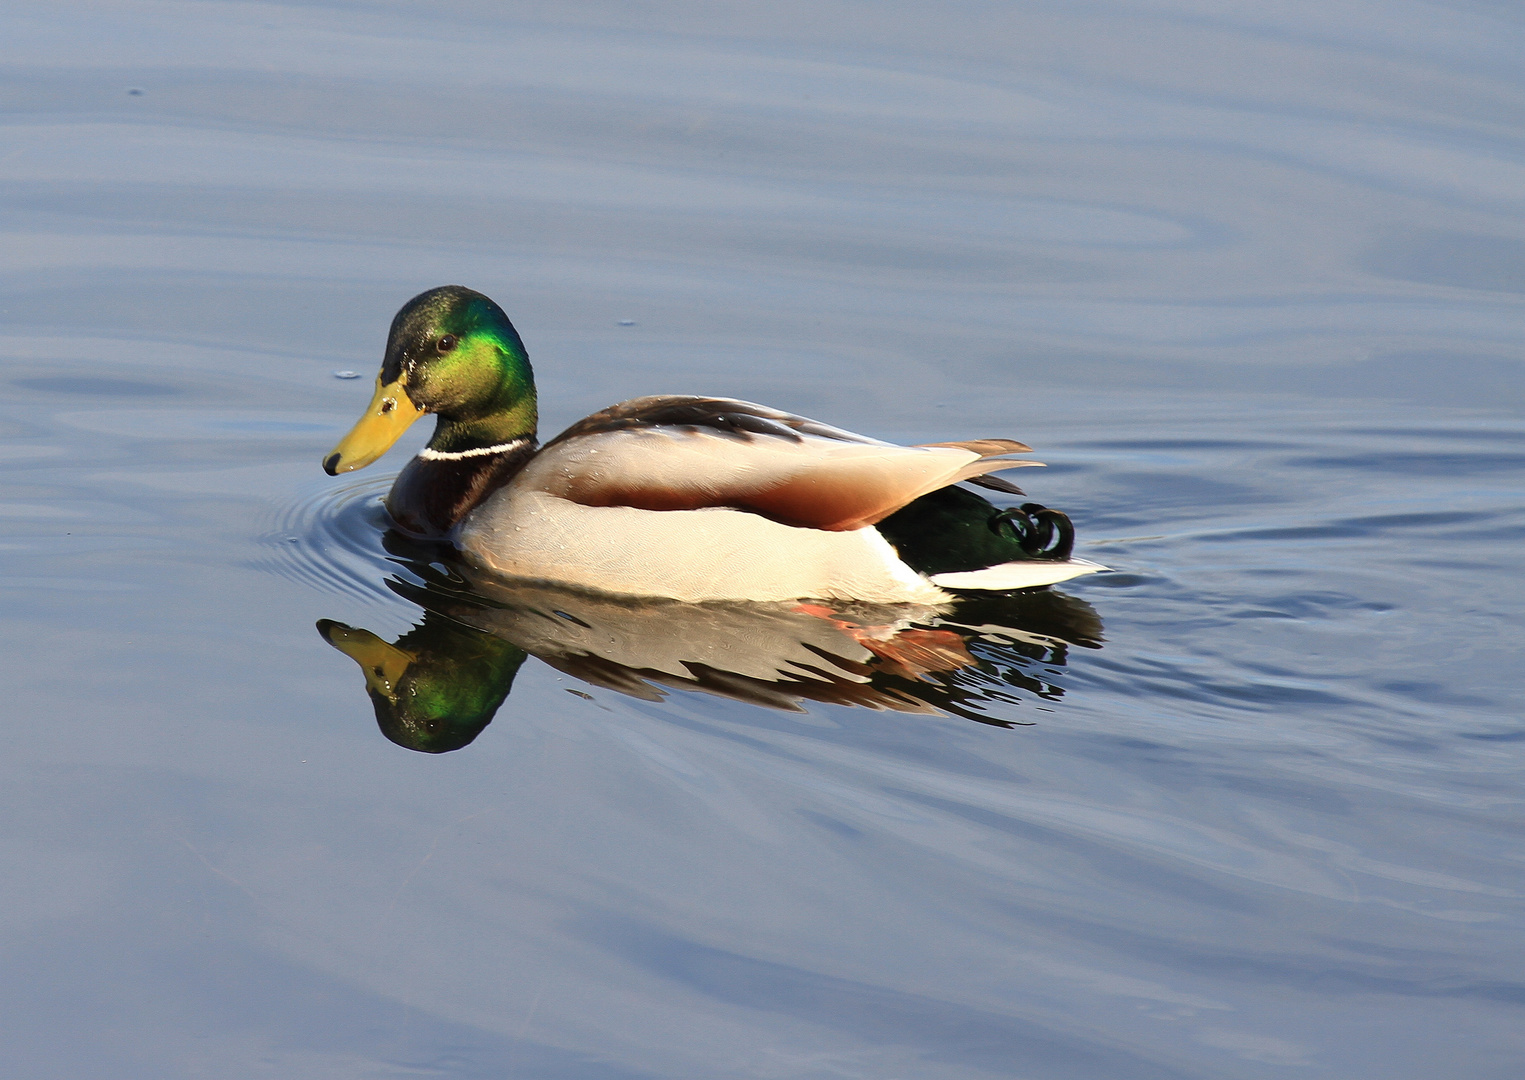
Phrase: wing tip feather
pixel 986 447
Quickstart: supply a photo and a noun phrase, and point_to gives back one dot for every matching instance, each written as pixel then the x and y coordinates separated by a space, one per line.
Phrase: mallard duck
pixel 691 498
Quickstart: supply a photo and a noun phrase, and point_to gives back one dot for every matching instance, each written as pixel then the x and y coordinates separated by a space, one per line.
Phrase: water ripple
pixel 330 539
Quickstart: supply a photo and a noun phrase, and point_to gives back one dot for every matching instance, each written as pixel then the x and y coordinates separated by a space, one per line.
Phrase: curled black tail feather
pixel 1040 532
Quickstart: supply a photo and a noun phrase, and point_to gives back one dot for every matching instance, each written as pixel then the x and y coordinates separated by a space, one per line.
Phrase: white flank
pixel 693 555
pixel 1027 574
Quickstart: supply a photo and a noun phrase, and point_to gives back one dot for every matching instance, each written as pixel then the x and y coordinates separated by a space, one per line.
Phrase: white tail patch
pixel 1027 574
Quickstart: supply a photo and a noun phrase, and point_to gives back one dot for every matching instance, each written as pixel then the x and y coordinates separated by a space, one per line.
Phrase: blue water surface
pixel 1251 280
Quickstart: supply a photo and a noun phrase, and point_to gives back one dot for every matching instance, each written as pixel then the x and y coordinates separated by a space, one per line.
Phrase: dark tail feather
pixel 995 483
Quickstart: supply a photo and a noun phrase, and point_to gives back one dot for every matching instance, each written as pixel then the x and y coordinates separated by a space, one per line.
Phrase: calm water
pixel 1252 283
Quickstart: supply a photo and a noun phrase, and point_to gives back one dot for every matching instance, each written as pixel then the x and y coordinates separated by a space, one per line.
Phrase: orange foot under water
pixel 910 654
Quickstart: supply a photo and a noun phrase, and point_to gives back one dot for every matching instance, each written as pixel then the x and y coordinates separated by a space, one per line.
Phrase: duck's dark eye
pixel 446 343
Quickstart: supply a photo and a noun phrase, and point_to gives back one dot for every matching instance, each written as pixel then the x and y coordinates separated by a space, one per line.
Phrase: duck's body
pixel 684 497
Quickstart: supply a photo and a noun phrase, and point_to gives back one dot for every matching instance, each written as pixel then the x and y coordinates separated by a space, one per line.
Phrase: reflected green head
pixel 438 686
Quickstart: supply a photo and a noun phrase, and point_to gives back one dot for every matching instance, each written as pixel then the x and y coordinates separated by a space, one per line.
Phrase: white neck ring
pixel 481 451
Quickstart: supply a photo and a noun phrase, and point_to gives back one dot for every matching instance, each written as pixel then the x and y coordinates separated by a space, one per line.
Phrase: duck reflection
pixel 436 687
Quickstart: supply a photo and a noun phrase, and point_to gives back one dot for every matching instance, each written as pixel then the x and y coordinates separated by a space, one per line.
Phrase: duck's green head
pixel 454 353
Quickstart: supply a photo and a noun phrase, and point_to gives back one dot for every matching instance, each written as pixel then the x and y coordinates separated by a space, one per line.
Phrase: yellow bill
pixel 390 413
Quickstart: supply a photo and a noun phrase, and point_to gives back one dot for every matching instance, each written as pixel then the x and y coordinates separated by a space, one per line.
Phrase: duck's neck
pixel 438 488
pixel 462 434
